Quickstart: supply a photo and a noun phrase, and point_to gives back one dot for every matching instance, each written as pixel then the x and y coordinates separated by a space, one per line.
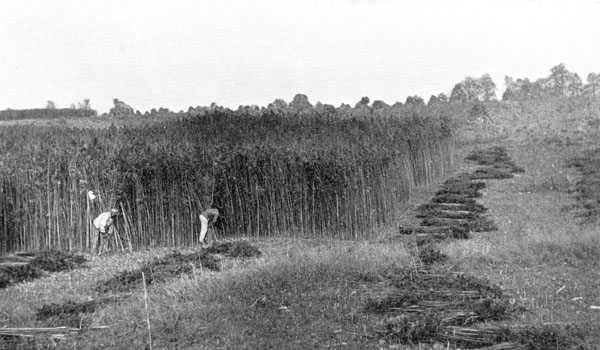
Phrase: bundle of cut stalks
pixel 493 338
pixel 52 333
pixel 475 208
pixel 496 337
pixel 71 307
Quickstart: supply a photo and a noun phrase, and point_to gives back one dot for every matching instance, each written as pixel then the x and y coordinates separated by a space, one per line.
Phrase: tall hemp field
pixel 269 173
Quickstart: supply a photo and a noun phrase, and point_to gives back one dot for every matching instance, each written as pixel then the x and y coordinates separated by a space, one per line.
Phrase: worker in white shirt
pixel 104 223
pixel 208 217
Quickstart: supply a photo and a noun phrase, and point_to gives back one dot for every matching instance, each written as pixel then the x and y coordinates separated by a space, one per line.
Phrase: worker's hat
pixel 114 211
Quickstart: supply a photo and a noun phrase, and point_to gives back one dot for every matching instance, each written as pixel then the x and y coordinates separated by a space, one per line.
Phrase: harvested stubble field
pixel 534 280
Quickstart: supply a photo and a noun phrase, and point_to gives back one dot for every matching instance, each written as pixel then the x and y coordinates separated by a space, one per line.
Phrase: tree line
pixel 560 82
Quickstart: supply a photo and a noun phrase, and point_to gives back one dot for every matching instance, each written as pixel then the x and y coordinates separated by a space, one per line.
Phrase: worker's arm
pixel 211 214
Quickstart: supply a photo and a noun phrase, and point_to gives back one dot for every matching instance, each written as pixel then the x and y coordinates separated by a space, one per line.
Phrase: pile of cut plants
pixel 454 212
pixel 437 307
pixel 176 264
pixel 27 266
pixel 587 188
pixel 235 249
pixel 72 314
pixel 497 164
pixel 71 317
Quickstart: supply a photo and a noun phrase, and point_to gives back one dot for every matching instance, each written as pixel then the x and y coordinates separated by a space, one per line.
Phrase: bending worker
pixel 104 224
pixel 209 216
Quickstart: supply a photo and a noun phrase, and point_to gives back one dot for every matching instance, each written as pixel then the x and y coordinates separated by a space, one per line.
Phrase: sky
pixel 183 53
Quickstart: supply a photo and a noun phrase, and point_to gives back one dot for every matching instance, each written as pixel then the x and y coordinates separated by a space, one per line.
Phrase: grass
pixel 302 292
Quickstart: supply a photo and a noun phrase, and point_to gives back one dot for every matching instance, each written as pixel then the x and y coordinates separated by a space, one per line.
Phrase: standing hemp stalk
pixel 147 313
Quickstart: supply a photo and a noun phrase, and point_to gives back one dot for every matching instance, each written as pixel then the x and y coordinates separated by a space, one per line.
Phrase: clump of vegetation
pixel 235 249
pixel 57 260
pixel 159 270
pixel 429 254
pixel 12 274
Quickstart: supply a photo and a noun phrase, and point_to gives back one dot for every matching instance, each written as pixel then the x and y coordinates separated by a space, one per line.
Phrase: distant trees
pixel 459 93
pixel 593 83
pixel 379 104
pixel 364 101
pixel 82 105
pixel 474 89
pixel 560 82
pixel 253 110
pixel 325 109
pixel 121 109
pixel 441 98
pixel 85 104
pixel 50 105
pixel 300 101
pixel 574 85
pixel 488 87
pixel 278 104
pixel 414 101
pixel 300 104
pixel 558 78
pixel 522 89
pixel 433 100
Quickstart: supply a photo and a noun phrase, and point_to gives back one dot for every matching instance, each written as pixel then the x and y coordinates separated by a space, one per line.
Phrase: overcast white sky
pixel 177 53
